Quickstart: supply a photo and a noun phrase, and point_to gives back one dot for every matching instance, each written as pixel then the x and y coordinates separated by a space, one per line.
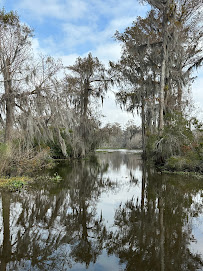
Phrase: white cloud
pixel 35 45
pixel 78 34
pixel 107 51
pixel 116 8
pixel 77 9
pixel 98 41
pixel 113 25
pixel 69 59
pixel 54 8
pixel 89 21
pixel 48 49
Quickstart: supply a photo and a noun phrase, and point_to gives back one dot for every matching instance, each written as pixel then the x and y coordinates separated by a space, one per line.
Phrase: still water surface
pixel 113 213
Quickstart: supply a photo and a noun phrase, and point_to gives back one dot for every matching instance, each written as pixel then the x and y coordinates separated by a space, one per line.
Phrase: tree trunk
pixel 143 186
pixel 85 97
pixel 179 99
pixel 142 235
pixel 161 215
pixel 6 249
pixel 154 111
pixel 163 71
pixel 84 221
pixel 143 129
pixel 9 103
pixel 161 102
pixel 83 117
pixel 154 127
pixel 9 121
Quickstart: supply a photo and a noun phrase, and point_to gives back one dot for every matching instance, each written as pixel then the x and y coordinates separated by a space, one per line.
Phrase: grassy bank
pixel 18 183
pixel 190 162
pixel 14 183
pixel 187 165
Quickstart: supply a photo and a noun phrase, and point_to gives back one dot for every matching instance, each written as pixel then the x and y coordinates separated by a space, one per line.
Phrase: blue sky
pixel 69 28
pixel 66 27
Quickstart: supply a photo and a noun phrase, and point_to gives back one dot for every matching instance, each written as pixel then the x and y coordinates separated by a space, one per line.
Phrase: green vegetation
pixel 14 183
pixel 17 183
pixel 179 148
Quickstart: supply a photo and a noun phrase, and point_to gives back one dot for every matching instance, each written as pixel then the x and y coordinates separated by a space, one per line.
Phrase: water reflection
pixel 154 234
pixel 110 214
pixel 47 226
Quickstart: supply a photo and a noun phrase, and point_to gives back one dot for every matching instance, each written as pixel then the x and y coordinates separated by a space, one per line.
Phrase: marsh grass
pixel 14 183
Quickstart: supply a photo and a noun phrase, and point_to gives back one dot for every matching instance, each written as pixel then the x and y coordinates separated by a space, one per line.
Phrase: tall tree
pixel 159 54
pixel 138 69
pixel 42 109
pixel 15 48
pixel 86 82
pixel 181 37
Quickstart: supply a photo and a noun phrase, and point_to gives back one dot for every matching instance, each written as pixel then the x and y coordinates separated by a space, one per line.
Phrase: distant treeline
pixel 129 137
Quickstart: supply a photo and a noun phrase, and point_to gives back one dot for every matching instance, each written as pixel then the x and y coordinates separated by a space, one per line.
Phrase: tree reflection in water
pixel 59 226
pixel 154 234
pixel 55 227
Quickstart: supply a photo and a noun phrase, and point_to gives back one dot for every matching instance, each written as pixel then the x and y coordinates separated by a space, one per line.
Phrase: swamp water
pixel 113 213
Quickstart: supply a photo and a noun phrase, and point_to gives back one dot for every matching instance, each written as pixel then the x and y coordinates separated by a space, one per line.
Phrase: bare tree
pixel 15 46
